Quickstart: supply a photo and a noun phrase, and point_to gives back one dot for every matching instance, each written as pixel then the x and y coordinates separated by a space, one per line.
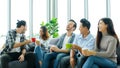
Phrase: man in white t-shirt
pixel 59 50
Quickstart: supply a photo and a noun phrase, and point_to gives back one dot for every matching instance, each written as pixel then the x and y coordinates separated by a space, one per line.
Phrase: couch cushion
pixel 17 64
pixel 0 62
pixel 54 41
pixel 118 54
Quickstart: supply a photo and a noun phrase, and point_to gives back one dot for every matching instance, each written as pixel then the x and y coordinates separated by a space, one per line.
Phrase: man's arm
pixel 24 52
pixel 56 49
pixel 21 43
pixel 74 46
pixel 64 50
pixel 21 57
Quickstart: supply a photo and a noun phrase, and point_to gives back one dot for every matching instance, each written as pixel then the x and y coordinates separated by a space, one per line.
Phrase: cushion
pixel 54 41
pixel 17 64
pixel 0 65
pixel 118 55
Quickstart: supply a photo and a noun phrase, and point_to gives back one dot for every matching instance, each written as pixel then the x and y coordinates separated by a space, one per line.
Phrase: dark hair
pixel 75 24
pixel 45 35
pixel 85 23
pixel 110 30
pixel 21 23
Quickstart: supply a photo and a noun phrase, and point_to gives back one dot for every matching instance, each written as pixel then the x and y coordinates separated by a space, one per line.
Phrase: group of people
pixel 86 51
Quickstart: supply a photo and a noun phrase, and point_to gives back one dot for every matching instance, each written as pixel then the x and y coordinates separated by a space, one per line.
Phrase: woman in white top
pixel 41 46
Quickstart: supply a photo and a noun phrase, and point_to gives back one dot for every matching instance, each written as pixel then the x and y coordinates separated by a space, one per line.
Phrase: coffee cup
pixel 68 46
pixel 33 39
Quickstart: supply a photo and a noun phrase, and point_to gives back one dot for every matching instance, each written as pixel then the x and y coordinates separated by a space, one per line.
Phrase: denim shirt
pixel 85 43
pixel 61 39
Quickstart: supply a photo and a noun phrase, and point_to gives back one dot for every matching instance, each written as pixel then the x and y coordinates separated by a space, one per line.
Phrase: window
pixel 39 14
pixel 77 12
pixel 97 10
pixel 3 20
pixel 115 15
pixel 20 11
pixel 62 15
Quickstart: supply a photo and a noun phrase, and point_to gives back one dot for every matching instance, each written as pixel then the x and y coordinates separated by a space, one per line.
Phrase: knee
pixel 59 56
pixel 4 57
pixel 47 57
pixel 37 48
pixel 62 61
pixel 90 58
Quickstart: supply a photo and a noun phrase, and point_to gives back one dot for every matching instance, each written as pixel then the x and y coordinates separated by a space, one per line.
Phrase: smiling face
pixel 23 29
pixel 41 32
pixel 102 26
pixel 82 29
pixel 70 26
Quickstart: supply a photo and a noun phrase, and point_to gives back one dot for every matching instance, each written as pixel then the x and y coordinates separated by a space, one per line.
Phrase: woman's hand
pixel 37 42
pixel 86 52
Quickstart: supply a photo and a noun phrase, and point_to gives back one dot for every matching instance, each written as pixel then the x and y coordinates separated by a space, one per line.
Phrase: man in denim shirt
pixel 83 41
pixel 15 46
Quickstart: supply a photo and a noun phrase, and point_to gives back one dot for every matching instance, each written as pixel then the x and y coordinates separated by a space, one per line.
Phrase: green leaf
pixel 52 27
pixel 42 24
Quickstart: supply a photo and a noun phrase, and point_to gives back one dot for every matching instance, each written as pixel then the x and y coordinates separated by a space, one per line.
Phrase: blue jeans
pixel 39 55
pixel 58 59
pixel 96 62
pixel 47 58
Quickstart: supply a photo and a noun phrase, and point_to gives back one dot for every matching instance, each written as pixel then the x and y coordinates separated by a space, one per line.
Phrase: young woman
pixel 41 46
pixel 104 55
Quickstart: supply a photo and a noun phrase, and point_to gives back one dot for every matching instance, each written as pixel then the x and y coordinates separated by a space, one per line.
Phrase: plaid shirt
pixel 10 40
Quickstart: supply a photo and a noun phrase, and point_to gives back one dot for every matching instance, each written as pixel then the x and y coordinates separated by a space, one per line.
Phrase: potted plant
pixel 52 27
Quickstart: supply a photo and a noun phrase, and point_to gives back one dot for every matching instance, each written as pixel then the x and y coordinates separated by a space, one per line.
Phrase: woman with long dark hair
pixel 41 46
pixel 104 55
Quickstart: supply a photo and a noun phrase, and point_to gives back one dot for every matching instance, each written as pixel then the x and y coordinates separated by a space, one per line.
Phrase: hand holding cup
pixel 85 52
pixel 37 42
pixel 33 39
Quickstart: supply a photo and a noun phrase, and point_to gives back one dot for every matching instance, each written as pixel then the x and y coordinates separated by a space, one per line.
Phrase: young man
pixel 68 37
pixel 83 41
pixel 15 47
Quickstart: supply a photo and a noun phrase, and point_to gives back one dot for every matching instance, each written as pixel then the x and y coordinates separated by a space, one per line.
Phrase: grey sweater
pixel 107 48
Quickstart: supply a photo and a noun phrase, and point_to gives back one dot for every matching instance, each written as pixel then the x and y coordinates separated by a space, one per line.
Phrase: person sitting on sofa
pixel 104 55
pixel 15 48
pixel 41 46
pixel 84 40
pixel 56 50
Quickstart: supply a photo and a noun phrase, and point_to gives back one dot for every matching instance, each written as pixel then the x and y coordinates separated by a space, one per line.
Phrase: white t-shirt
pixel 45 42
pixel 66 39
pixel 17 41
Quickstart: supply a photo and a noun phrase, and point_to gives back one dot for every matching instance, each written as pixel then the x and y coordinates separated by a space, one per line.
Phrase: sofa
pixel 17 64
